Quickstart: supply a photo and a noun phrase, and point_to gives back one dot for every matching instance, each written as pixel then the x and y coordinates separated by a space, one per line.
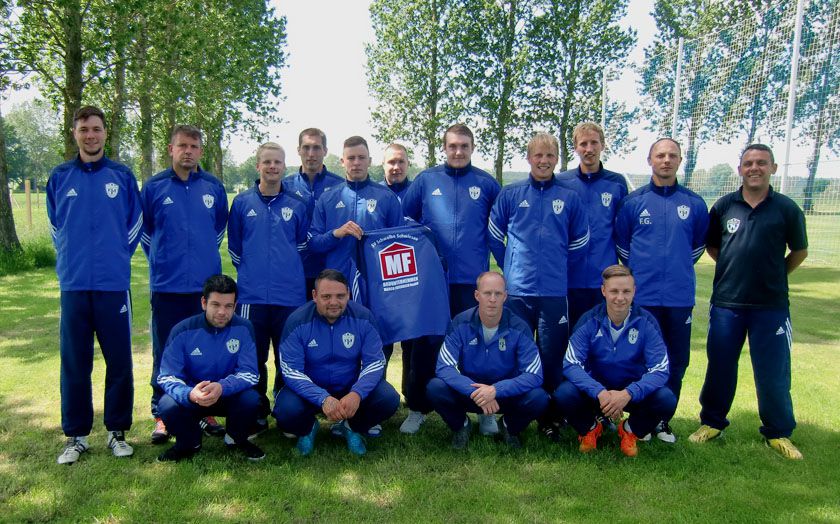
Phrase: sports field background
pixel 416 478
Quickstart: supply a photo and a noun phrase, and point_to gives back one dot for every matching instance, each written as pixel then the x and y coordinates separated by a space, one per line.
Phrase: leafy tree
pixel 38 143
pixel 8 235
pixel 412 69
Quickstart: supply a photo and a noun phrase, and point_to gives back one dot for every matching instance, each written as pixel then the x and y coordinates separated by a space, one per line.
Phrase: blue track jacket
pixel 198 351
pixel 399 188
pixel 544 223
pixel 368 204
pixel 95 221
pixel 183 227
pixel 600 193
pixel 510 361
pixel 319 359
pixel 313 263
pixel 264 242
pixel 660 232
pixel 455 204
pixel 637 362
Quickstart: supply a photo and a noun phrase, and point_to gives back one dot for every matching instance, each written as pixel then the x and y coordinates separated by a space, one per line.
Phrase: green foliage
pixel 34 141
pixel 34 254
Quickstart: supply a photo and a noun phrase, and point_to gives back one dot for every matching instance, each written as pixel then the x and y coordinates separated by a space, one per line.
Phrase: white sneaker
pixel 487 425
pixel 665 433
pixel 73 448
pixel 412 422
pixel 119 447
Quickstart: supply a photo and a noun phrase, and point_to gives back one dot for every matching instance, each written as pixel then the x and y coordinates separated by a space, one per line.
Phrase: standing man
pixel 488 364
pixel 660 233
pixel 267 229
pixel 600 190
pixel 209 367
pixel 454 201
pixel 309 183
pixel 94 210
pixel 616 362
pixel 750 231
pixel 395 166
pixel 342 215
pixel 333 364
pixel 184 216
pixel 544 223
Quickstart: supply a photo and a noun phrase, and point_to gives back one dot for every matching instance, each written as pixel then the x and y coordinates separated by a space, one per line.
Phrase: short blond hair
pixel 583 127
pixel 269 146
pixel 544 139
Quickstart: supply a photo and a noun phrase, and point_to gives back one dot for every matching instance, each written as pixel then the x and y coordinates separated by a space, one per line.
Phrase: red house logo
pixel 397 261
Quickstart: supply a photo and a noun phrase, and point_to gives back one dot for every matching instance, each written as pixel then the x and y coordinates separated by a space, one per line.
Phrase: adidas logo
pixel 124 309
pixel 72 193
pixel 298 193
pixel 340 205
pixel 563 320
pixel 524 203
pixel 313 343
pixel 688 320
pixel 251 213
pixel 474 342
pixel 437 192
pixel 644 213
pixel 598 334
pixel 167 201
pixel 196 352
pixel 780 331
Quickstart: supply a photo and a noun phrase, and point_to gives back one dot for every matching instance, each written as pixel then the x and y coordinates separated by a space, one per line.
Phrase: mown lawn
pixel 418 478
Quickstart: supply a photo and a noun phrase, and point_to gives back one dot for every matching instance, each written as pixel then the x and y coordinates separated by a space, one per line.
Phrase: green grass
pixel 417 478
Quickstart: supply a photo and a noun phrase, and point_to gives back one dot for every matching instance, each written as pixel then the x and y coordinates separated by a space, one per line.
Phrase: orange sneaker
pixel 159 434
pixel 589 442
pixel 628 441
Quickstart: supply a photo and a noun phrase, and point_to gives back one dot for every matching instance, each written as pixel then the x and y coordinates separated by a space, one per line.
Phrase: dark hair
pixel 663 139
pixel 313 131
pixel 354 141
pixel 459 129
pixel 219 284
pixel 331 274
pixel 758 147
pixel 615 270
pixel 85 112
pixel 188 130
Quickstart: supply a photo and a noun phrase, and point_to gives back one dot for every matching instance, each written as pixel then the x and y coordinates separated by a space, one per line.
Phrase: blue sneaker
pixel 355 442
pixel 306 443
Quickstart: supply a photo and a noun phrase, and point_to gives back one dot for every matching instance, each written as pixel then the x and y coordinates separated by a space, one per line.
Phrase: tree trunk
pixel 144 101
pixel 71 21
pixel 118 108
pixel 8 236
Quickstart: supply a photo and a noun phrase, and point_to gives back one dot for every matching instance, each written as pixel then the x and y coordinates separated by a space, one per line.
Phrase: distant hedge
pixel 36 253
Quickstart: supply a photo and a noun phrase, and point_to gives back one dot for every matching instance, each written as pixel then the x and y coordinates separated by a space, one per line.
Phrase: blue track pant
pixel 675 325
pixel 240 410
pixel 549 318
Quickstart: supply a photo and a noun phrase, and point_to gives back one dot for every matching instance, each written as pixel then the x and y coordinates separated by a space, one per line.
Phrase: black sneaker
pixel 251 451
pixel 259 426
pixel 211 427
pixel 176 454
pixel 461 438
pixel 551 430
pixel 512 441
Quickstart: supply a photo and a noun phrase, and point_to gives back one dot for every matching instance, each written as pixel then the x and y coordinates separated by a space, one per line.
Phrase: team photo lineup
pixel 586 324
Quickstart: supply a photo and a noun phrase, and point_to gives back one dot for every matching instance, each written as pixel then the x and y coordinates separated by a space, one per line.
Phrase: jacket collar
pixel 536 184
pixel 665 191
pixel 91 166
pixel 591 177
pixel 358 185
pixel 451 171
pixel 396 187
pixel 504 323
pixel 193 174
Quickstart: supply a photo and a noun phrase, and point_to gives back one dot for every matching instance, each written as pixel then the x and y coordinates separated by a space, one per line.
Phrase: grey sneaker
pixel 487 425
pixel 73 448
pixel 461 438
pixel 119 447
pixel 412 422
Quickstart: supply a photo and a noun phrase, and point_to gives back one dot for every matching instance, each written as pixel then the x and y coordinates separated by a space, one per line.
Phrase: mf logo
pixel 397 261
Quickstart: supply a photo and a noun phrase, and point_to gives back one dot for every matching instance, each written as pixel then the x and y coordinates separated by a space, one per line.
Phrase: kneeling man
pixel 488 364
pixel 209 367
pixel 332 362
pixel 616 362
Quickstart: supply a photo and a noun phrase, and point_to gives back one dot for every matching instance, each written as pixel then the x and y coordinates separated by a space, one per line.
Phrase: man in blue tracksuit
pixel 209 367
pixel 345 212
pixel 544 224
pixel 184 217
pixel 600 191
pixel 616 361
pixel 310 182
pixel 488 364
pixel 750 232
pixel 267 229
pixel 660 232
pixel 332 362
pixel 454 201
pixel 94 210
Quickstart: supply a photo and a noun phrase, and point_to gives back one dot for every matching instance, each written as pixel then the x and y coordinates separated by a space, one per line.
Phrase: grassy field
pixel 735 479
